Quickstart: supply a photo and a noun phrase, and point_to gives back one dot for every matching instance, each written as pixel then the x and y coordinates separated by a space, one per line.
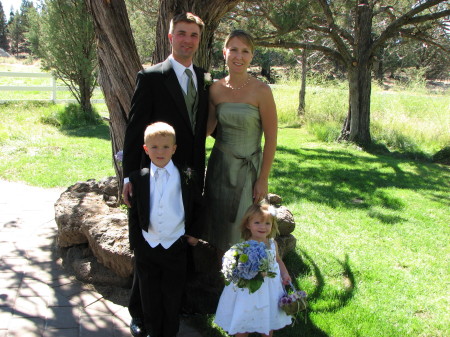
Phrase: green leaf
pixel 255 283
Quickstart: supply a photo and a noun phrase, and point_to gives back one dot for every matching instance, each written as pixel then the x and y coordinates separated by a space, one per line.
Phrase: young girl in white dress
pixel 239 312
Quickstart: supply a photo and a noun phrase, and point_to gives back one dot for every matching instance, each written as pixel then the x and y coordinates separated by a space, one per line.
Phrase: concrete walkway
pixel 37 297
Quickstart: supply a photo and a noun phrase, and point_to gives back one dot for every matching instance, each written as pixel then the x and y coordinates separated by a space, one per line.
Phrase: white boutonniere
pixel 208 79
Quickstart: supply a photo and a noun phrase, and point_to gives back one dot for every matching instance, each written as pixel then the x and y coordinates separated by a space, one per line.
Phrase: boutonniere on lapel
pixel 188 176
pixel 208 79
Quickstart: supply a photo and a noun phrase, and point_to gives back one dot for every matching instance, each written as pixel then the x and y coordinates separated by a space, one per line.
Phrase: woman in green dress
pixel 241 110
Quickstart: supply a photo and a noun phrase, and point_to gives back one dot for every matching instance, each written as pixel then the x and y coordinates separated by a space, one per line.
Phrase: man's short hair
pixel 186 17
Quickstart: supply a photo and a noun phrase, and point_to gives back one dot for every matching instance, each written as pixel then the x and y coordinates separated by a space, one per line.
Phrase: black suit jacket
pixel 159 98
pixel 139 212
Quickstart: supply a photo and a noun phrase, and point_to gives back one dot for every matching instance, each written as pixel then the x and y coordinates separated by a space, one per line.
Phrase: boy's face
pixel 160 149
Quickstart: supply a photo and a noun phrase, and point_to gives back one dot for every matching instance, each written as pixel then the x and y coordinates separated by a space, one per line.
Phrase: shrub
pixel 71 117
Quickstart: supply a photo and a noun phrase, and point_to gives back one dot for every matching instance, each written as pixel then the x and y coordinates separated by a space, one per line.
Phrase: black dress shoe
pixel 137 328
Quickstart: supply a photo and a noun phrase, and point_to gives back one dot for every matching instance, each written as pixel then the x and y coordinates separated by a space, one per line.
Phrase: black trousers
pixel 134 304
pixel 161 275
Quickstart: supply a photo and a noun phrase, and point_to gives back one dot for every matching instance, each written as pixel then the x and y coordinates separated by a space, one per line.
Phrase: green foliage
pixel 3 36
pixel 32 36
pixel 143 16
pixel 15 34
pixel 70 117
pixel 67 47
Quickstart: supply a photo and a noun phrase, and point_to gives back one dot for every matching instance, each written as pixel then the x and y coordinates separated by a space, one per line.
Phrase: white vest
pixel 167 211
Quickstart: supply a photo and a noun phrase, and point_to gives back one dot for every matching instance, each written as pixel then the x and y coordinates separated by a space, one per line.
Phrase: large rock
pixel 285 221
pixel 83 215
pixel 93 236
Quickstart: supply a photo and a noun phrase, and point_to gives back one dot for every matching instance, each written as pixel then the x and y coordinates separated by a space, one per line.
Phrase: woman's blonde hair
pixel 262 209
pixel 243 36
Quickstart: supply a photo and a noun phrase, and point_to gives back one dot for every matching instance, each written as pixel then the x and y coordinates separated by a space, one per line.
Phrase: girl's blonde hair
pixel 262 209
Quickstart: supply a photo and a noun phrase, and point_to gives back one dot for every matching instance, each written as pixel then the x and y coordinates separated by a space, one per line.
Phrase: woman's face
pixel 238 55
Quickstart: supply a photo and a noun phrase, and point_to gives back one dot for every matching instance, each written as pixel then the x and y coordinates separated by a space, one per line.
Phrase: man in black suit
pixel 162 95
pixel 164 218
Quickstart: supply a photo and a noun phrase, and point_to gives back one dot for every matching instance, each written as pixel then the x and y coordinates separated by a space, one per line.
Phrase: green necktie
pixel 191 97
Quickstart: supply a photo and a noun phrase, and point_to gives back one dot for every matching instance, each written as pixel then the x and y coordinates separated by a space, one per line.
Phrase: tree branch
pixel 333 31
pixel 302 45
pixel 409 18
pixel 424 39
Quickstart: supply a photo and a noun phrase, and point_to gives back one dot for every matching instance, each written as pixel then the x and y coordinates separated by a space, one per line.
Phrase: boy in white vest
pixel 164 217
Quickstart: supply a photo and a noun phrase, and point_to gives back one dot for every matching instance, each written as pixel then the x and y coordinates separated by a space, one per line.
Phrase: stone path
pixel 37 297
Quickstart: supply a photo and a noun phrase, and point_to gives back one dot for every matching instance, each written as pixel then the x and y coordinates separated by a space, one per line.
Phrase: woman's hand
pixel 260 190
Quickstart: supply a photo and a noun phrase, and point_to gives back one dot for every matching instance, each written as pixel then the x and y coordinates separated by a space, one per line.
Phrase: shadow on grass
pixel 340 179
pixel 100 131
pixel 303 264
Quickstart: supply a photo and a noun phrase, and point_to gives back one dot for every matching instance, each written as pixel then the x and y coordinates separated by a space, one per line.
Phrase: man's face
pixel 185 40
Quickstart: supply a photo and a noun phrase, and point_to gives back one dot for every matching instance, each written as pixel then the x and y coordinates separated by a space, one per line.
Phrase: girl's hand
pixel 260 190
pixel 286 279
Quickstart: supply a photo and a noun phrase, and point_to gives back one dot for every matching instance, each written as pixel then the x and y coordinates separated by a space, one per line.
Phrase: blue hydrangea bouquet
pixel 246 264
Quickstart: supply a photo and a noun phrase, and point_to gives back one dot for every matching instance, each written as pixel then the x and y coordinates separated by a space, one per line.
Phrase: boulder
pixel 285 221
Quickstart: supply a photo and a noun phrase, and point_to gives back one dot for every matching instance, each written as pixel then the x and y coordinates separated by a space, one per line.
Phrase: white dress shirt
pixel 181 75
pixel 166 211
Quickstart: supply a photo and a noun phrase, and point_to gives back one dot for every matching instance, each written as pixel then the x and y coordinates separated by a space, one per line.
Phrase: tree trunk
pixel 302 93
pixel 85 98
pixel 118 66
pixel 209 11
pixel 357 125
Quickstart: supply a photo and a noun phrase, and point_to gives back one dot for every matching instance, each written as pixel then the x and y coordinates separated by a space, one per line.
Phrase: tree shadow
pixel 311 174
pixel 303 265
pixel 100 131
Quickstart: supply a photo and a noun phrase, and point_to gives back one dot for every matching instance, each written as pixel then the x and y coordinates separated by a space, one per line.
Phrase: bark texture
pixel 118 65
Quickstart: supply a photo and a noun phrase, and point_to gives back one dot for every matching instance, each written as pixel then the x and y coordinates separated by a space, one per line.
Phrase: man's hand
pixel 126 193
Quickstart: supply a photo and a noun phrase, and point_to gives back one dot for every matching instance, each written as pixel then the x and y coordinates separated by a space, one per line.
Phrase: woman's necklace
pixel 228 85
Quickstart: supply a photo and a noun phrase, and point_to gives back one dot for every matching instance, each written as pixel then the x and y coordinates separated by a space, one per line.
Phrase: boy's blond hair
pixel 159 129
pixel 262 209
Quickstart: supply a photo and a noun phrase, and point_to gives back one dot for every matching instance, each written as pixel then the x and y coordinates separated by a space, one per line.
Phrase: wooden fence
pixel 53 88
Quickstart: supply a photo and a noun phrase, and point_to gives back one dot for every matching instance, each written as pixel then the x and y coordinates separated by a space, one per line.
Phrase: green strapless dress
pixel 233 167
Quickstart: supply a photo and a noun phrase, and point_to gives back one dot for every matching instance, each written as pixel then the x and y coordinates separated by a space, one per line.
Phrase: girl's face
pixel 260 226
pixel 238 55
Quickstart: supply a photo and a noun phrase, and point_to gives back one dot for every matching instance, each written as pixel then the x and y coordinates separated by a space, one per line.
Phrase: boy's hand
pixel 286 279
pixel 126 192
pixel 191 240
